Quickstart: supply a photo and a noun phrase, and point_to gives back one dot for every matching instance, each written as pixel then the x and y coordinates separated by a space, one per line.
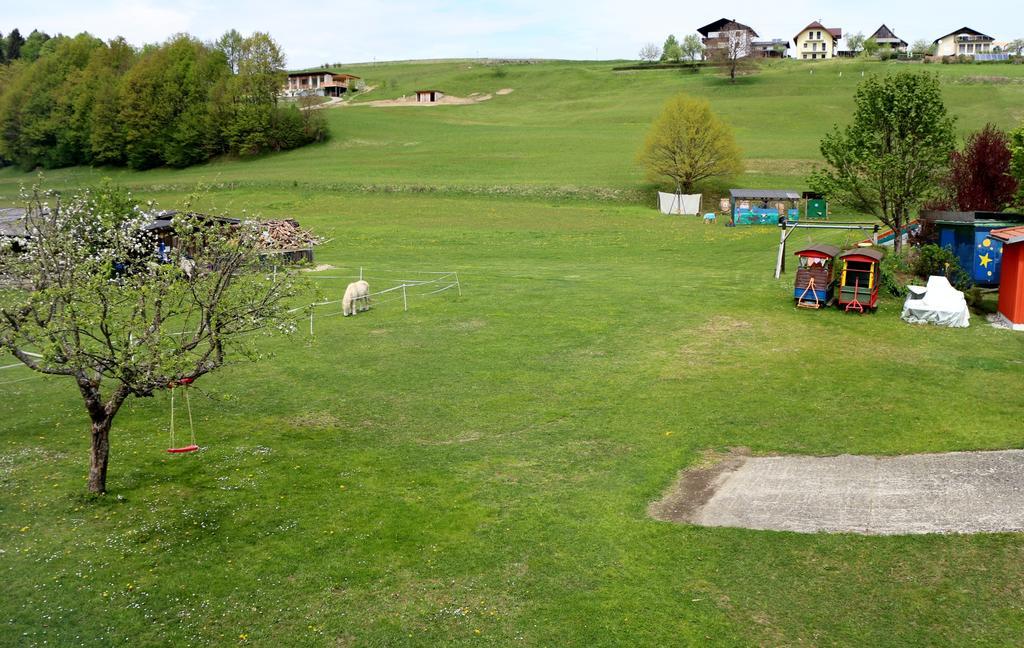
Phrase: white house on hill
pixel 816 41
pixel 964 42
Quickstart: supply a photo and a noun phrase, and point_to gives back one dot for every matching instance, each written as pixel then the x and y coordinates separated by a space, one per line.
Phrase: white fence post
pixel 405 298
pixel 458 283
pixel 311 319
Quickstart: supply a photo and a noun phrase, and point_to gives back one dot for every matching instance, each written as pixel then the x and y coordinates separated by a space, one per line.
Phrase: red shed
pixel 1011 282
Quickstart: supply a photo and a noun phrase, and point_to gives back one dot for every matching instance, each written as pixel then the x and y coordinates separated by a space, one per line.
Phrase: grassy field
pixel 569 126
pixel 477 470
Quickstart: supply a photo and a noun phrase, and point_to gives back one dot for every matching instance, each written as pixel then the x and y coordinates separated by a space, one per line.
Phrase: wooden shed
pixel 1011 282
pixel 858 283
pixel 428 96
pixel 815 279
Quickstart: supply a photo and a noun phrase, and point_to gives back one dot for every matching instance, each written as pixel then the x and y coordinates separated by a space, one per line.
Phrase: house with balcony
pixel 963 42
pixel 817 42
pixel 886 38
pixel 719 34
pixel 320 83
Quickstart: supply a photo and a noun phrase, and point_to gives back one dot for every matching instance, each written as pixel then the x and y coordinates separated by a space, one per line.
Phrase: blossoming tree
pixel 84 295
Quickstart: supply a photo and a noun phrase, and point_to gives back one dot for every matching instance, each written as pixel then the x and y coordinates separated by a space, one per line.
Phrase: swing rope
pixel 192 447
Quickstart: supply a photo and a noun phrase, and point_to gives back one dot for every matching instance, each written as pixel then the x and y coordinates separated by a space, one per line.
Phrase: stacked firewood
pixel 286 235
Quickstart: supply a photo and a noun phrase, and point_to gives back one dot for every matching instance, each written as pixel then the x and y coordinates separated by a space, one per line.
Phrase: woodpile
pixel 286 235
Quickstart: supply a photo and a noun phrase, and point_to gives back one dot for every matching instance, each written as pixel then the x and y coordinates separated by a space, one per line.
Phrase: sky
pixel 350 31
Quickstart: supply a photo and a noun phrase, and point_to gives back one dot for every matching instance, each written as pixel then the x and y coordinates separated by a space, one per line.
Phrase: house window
pixel 819 36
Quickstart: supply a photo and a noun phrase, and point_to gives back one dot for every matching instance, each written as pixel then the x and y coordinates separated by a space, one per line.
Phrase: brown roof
pixel 820 248
pixel 1009 235
pixel 836 32
pixel 862 252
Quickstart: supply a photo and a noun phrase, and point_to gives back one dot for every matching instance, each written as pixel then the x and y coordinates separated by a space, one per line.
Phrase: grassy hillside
pixel 477 470
pixel 573 125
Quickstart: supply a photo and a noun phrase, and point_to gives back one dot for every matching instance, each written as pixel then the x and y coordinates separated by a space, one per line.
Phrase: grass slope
pixel 571 124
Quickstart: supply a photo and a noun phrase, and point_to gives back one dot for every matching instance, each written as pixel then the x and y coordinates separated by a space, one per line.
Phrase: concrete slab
pixel 962 492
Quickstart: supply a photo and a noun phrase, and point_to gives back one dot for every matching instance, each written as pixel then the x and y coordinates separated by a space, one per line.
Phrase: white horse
pixel 356 299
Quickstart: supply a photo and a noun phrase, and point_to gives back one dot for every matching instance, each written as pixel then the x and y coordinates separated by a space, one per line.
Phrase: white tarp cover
pixel 937 303
pixel 679 203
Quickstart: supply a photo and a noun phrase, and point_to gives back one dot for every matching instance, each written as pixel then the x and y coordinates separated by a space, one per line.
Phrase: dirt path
pixel 961 492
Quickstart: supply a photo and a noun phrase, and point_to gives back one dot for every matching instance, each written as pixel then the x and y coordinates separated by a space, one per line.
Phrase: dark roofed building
pixel 717 35
pixel 886 38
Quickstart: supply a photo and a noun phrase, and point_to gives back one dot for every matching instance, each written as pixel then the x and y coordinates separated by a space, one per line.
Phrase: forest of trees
pixel 66 101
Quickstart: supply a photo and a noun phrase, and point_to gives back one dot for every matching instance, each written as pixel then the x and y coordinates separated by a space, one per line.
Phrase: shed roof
pixel 764 194
pixel 1009 235
pixel 820 248
pixel 870 253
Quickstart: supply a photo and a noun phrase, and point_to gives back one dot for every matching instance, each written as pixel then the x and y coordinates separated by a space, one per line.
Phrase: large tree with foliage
pixel 91 302
pixel 33 46
pixel 979 176
pixel 1017 163
pixel 12 44
pixel 691 47
pixel 892 156
pixel 856 42
pixel 671 51
pixel 688 143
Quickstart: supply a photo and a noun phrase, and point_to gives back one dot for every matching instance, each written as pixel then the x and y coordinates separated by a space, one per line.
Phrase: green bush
pixel 933 260
pixel 895 269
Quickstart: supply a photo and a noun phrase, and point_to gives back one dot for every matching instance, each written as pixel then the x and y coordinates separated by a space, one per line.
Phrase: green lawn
pixel 477 470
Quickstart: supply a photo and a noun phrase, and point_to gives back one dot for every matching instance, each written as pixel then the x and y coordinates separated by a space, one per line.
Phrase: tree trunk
pixel 99 455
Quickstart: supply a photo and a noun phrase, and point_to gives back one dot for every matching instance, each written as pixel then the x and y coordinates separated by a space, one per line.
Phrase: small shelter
pixel 429 96
pixel 679 203
pixel 1011 283
pixel 815 281
pixel 815 206
pixel 763 206
pixel 858 283
pixel 165 239
pixel 967 235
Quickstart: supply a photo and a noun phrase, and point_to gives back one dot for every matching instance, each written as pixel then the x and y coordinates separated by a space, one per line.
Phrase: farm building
pixel 815 41
pixel 719 34
pixel 967 235
pixel 774 48
pixel 886 38
pixel 963 42
pixel 763 206
pixel 322 83
pixel 428 96
pixel 1011 282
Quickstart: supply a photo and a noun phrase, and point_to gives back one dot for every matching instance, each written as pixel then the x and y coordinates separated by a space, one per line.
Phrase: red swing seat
pixel 188 448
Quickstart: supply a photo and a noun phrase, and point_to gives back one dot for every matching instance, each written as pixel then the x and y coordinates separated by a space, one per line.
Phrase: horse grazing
pixel 356 299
